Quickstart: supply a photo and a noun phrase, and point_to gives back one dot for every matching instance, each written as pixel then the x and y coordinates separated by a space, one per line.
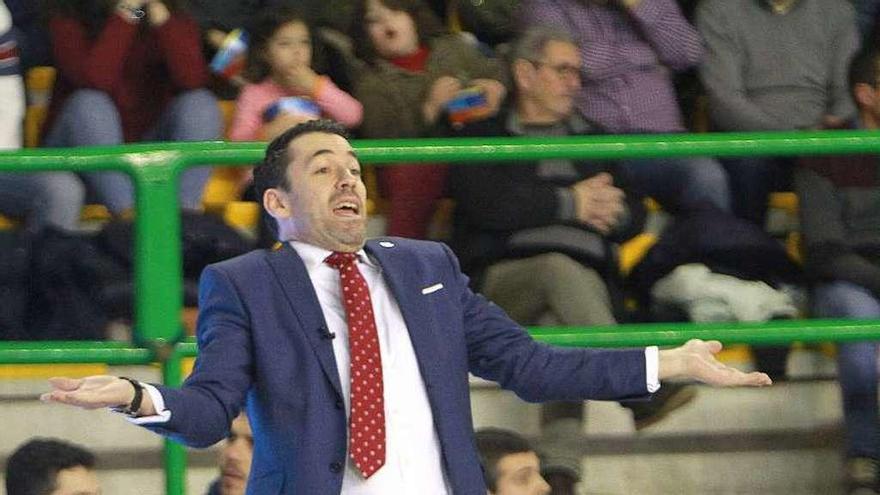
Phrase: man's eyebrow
pixel 519 470
pixel 325 151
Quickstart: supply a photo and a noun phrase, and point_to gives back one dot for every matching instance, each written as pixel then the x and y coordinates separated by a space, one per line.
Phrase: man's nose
pixel 235 451
pixel 346 178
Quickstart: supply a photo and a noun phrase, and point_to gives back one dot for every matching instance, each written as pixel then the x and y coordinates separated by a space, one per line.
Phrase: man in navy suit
pixel 275 329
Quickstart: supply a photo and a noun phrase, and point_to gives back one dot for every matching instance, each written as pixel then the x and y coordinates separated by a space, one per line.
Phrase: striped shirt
pixel 628 58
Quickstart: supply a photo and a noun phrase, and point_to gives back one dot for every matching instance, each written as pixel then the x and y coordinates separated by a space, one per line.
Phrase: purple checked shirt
pixel 628 58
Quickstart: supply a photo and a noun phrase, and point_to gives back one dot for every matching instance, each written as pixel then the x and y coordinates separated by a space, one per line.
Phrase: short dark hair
pixel 272 171
pixel 428 25
pixel 32 469
pixel 865 67
pixel 265 24
pixel 495 443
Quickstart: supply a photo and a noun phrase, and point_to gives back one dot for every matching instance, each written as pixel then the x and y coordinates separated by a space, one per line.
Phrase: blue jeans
pixel 52 199
pixel 680 184
pixel 752 179
pixel 856 365
pixel 89 117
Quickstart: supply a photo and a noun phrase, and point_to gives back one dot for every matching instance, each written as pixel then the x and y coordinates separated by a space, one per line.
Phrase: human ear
pixel 523 73
pixel 276 204
pixel 865 95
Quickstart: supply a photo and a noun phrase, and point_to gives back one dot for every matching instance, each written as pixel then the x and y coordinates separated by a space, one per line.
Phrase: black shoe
pixel 669 398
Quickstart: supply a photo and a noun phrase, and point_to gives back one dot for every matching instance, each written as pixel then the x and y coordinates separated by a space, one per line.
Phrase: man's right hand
pixel 95 392
pixel 598 203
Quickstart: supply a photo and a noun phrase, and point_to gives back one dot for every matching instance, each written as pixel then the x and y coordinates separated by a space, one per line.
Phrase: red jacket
pixel 139 66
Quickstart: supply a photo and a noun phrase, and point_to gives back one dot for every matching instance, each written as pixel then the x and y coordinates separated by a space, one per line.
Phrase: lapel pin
pixel 386 244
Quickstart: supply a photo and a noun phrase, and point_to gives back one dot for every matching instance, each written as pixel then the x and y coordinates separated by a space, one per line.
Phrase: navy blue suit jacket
pixel 262 339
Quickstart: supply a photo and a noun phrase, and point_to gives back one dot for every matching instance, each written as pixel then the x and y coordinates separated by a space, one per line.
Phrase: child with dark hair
pixel 285 87
pixel 413 69
pixel 129 70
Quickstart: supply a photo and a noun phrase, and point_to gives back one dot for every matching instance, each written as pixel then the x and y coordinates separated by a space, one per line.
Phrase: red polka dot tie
pixel 366 443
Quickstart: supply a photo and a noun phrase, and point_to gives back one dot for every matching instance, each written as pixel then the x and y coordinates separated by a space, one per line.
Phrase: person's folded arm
pixel 92 63
pixel 676 42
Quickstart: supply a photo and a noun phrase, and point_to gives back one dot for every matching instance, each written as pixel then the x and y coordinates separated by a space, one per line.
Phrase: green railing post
pixel 174 454
pixel 158 270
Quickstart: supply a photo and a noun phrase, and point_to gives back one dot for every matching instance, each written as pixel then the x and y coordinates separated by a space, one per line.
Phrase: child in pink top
pixel 279 66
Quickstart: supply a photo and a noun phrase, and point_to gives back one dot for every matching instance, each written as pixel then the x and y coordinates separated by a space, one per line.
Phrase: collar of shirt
pixel 574 124
pixel 314 256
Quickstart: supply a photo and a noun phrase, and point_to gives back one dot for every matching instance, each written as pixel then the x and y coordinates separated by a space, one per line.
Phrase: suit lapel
pixel 294 279
pixel 404 279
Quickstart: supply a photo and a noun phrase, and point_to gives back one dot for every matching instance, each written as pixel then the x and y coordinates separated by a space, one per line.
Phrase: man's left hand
pixel 696 361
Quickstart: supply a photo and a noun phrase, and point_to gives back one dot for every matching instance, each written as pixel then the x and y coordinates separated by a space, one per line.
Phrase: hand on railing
pixel 696 361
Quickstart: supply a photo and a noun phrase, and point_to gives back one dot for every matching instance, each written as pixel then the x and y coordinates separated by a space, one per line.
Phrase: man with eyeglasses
pixel 539 239
pixel 629 51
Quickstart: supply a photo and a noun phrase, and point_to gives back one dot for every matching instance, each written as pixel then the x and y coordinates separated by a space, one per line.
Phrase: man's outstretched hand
pixel 95 392
pixel 696 361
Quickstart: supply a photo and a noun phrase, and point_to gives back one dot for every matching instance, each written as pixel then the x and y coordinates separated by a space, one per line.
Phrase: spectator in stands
pixel 840 223
pixel 33 41
pixel 541 241
pixel 412 70
pixel 129 70
pixel 510 464
pixel 629 50
pixel 279 67
pixel 286 86
pixel 42 198
pixel 331 18
pixel 774 65
pixel 235 459
pixel 51 467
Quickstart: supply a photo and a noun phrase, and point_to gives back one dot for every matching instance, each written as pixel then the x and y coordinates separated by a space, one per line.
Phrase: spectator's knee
pixel 197 115
pixel 87 103
pixel 708 173
pixel 65 190
pixel 707 183
pixel 558 267
pixel 847 300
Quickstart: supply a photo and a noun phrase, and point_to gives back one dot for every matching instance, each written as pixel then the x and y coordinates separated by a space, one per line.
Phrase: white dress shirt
pixel 413 462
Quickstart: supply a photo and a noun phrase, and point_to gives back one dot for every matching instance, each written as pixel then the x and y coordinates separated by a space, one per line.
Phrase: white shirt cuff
pixel 162 415
pixel 652 368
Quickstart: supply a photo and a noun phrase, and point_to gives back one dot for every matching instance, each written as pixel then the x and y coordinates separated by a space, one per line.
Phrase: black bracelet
pixel 135 405
pixel 134 13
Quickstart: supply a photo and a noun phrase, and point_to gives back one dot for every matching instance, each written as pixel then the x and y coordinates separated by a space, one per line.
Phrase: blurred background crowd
pixel 552 241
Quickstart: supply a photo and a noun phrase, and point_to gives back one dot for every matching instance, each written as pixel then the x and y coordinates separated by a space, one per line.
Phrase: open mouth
pixel 347 209
pixel 232 474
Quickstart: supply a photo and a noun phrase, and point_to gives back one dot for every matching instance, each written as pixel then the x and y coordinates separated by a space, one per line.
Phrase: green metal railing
pixel 158 282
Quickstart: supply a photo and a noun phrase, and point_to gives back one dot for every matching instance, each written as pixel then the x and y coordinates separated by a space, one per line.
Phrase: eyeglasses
pixel 562 70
